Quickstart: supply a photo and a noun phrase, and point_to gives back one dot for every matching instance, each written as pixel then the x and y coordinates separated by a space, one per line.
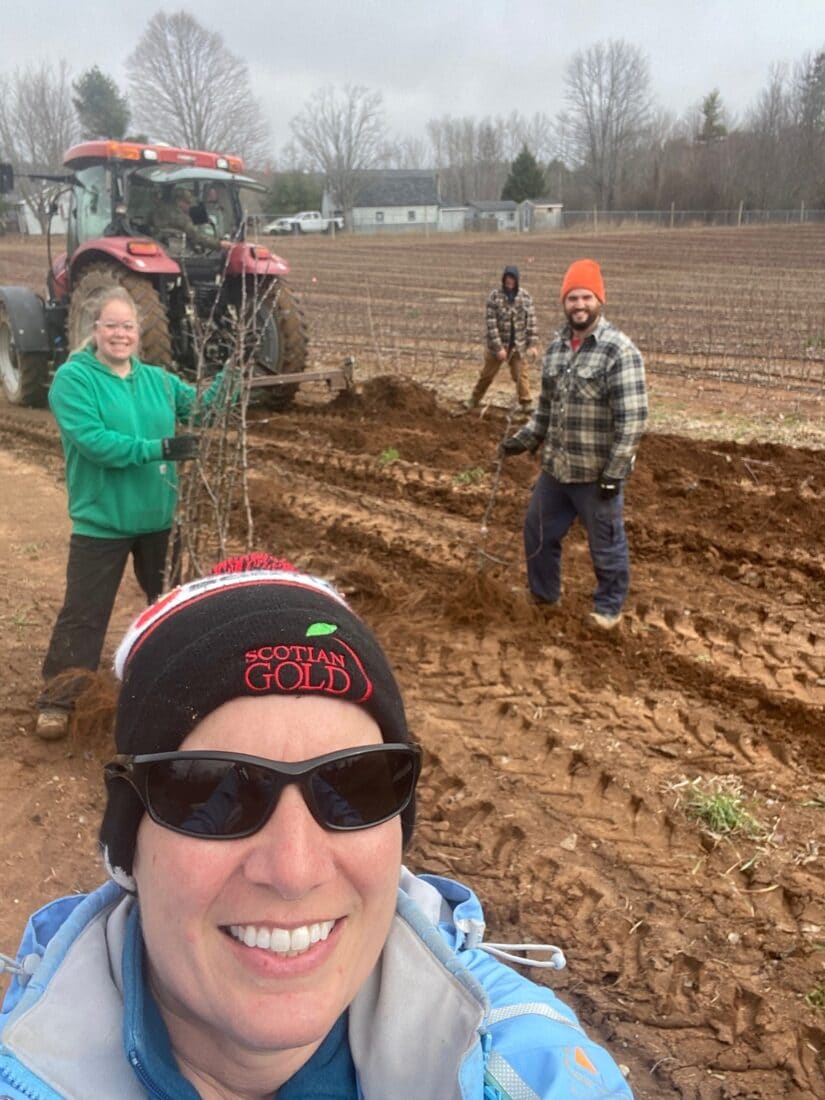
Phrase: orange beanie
pixel 583 275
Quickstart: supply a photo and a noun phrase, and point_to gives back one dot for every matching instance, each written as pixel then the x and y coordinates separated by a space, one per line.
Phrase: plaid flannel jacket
pixel 501 312
pixel 592 408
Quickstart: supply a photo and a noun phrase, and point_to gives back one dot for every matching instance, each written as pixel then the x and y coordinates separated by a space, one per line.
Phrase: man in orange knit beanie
pixel 590 417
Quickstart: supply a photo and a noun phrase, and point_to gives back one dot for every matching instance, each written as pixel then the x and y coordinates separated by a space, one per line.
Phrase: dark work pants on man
pixel 553 507
pixel 93 576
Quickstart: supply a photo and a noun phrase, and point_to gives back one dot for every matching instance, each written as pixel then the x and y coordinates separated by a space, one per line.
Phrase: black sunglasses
pixel 225 795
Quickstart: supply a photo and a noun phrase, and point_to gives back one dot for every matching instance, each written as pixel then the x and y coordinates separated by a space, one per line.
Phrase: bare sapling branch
pixel 214 514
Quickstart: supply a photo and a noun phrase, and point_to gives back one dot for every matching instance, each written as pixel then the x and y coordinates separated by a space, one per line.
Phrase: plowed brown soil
pixel 556 757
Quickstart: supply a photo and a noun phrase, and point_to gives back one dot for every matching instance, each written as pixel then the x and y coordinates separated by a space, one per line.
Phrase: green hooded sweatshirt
pixel 112 428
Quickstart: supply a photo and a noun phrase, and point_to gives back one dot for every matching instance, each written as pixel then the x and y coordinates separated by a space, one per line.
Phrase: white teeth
pixel 279 941
pixel 300 940
pixel 282 941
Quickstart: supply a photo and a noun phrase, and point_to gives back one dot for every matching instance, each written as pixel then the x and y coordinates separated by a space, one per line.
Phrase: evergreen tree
pixel 713 118
pixel 290 192
pixel 101 109
pixel 526 179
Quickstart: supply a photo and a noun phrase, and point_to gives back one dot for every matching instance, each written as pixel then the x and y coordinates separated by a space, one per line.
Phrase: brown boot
pixel 466 406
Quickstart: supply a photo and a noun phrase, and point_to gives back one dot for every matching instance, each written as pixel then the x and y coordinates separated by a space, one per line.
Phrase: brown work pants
pixel 518 372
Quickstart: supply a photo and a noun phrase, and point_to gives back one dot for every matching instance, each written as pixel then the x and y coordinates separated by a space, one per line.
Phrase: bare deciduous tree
pixel 37 126
pixel 343 134
pixel 491 163
pixel 471 155
pixel 406 153
pixel 648 175
pixel 187 88
pixel 608 89
pixel 808 99
pixel 292 158
pixel 536 132
pixel 770 169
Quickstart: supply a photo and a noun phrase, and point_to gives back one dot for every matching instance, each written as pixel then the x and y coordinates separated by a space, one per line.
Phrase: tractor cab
pixel 168 225
pixel 213 206
pixel 120 189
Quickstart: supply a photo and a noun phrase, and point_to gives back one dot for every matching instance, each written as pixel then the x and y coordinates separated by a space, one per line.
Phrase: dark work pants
pixel 553 508
pixel 93 576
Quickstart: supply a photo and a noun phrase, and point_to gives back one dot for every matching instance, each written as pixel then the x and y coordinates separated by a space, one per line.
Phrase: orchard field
pixel 570 776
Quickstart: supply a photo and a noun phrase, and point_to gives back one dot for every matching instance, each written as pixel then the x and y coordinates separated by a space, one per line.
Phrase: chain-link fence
pixel 592 220
pixel 676 219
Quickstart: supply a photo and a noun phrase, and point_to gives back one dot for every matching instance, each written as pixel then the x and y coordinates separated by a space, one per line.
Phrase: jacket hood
pixel 86 356
pixel 511 269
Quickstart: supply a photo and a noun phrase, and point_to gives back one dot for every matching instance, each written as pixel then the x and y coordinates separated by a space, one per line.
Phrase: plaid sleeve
pixel 535 430
pixel 532 331
pixel 493 338
pixel 627 394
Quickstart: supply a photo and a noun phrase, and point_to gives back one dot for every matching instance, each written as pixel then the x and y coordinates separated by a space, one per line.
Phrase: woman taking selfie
pixel 261 937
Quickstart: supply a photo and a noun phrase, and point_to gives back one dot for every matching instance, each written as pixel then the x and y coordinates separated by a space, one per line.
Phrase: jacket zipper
pixel 149 1085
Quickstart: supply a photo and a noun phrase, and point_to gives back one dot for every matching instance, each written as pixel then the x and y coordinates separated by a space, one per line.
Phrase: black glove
pixel 180 448
pixel 512 446
pixel 609 487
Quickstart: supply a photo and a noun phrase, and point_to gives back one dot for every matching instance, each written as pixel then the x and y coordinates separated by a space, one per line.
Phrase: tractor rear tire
pixel 25 375
pixel 283 347
pixel 155 339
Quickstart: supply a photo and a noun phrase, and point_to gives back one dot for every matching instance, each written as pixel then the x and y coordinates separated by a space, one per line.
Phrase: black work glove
pixel 180 448
pixel 511 446
pixel 609 487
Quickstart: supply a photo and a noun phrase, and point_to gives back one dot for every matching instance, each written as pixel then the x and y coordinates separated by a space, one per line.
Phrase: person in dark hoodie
pixel 117 418
pixel 511 338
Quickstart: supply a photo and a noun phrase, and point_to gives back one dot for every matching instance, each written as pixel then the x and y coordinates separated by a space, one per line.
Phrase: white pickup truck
pixel 312 221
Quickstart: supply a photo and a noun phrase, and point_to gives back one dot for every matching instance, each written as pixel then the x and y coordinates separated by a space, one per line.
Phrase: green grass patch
pixel 17 619
pixel 471 476
pixel 388 456
pixel 719 806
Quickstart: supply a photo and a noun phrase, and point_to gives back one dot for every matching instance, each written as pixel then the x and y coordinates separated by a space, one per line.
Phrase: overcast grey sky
pixel 435 57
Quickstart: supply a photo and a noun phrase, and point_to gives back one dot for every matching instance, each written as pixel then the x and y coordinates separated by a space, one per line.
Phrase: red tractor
pixel 195 290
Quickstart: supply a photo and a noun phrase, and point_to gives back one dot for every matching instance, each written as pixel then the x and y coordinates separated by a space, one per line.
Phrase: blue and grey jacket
pixel 68 1023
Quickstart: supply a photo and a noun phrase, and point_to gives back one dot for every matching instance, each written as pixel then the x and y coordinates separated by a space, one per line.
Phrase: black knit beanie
pixel 238 632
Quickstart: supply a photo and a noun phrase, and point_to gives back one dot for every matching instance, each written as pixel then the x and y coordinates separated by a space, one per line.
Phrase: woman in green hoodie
pixel 117 418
